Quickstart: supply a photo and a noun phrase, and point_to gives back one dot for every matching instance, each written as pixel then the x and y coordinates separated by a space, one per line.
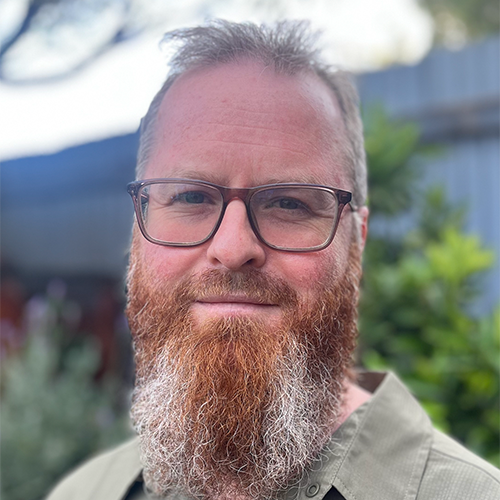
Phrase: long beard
pixel 231 406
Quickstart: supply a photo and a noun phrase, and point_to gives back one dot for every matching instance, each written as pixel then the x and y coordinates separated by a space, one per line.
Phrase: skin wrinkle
pixel 246 110
pixel 305 177
pixel 324 130
pixel 253 127
pixel 299 137
pixel 256 145
pixel 246 143
pixel 337 160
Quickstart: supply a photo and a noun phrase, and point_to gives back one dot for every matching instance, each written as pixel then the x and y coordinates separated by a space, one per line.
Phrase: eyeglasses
pixel 186 213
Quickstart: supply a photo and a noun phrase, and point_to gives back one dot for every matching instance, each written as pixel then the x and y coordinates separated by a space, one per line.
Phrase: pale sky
pixel 110 96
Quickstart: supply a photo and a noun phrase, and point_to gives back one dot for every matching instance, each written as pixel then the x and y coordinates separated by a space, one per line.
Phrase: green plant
pixel 53 413
pixel 415 318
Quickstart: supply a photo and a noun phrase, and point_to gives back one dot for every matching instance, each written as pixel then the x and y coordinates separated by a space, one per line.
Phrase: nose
pixel 235 244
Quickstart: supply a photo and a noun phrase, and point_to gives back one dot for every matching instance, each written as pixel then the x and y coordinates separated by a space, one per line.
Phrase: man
pixel 242 295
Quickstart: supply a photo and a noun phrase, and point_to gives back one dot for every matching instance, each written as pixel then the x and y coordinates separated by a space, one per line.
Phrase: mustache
pixel 252 284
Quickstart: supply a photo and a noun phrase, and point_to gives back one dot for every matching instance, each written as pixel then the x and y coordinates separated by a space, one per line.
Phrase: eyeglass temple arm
pixel 345 198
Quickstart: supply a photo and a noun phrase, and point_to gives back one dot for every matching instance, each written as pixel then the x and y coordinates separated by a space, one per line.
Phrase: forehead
pixel 244 124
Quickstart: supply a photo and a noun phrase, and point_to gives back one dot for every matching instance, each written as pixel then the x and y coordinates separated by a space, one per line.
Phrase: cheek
pixel 307 272
pixel 169 263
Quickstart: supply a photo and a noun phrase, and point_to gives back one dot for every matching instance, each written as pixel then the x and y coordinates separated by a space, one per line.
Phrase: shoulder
pixel 452 472
pixel 107 476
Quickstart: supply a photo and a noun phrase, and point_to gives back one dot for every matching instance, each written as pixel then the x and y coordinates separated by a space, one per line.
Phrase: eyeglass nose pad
pixel 250 220
pixel 227 203
pixel 235 242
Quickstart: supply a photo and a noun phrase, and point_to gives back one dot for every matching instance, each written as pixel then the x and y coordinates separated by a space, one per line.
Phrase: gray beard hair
pixel 297 423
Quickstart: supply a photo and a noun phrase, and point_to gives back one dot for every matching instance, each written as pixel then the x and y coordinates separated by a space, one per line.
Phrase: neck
pixel 354 397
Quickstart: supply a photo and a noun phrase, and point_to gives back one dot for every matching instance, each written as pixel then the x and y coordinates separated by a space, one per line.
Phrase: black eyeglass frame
pixel 244 194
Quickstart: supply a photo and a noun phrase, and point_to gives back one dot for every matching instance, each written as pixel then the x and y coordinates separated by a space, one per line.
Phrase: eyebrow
pixel 198 175
pixel 299 179
pixel 214 178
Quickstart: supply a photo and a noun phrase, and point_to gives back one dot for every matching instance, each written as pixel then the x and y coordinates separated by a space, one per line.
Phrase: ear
pixel 363 213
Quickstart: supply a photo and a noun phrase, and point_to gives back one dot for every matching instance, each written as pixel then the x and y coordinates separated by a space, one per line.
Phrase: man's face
pixel 242 350
pixel 241 125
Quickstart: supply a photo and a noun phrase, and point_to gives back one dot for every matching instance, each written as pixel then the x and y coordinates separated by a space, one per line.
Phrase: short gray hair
pixel 288 47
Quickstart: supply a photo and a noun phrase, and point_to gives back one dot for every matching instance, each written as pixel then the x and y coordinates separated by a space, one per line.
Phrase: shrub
pixel 53 413
pixel 419 289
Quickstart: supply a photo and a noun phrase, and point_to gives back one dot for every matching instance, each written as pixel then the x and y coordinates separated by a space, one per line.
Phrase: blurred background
pixel 76 76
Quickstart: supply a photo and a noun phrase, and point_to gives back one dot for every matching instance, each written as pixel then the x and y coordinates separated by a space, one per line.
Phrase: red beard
pixel 231 405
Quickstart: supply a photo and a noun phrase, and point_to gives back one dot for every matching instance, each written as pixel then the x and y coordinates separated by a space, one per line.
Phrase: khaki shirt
pixel 386 450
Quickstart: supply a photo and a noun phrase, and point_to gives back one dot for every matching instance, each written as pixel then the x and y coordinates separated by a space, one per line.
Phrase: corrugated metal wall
pixel 455 98
pixel 68 214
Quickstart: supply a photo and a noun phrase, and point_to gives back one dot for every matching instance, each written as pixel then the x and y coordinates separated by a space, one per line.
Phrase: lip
pixel 233 305
pixel 233 299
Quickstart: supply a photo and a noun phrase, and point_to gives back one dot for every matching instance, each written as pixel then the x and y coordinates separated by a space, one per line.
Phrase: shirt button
pixel 312 490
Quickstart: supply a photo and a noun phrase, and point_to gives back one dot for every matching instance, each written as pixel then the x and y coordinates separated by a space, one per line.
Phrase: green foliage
pixel 391 151
pixel 419 289
pixel 477 17
pixel 53 413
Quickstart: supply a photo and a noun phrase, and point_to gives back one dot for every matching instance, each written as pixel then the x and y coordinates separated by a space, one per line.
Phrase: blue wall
pixel 69 213
pixel 455 98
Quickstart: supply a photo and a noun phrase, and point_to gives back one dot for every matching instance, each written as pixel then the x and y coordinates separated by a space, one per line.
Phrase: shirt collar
pixel 380 451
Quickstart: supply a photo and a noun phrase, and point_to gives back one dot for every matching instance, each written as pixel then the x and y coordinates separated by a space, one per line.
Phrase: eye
pixel 288 204
pixel 193 198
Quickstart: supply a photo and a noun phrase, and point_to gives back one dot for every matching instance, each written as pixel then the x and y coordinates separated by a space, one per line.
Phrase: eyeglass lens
pixel 285 217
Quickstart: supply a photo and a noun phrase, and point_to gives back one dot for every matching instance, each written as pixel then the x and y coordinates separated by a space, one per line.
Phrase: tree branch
pixel 33 9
